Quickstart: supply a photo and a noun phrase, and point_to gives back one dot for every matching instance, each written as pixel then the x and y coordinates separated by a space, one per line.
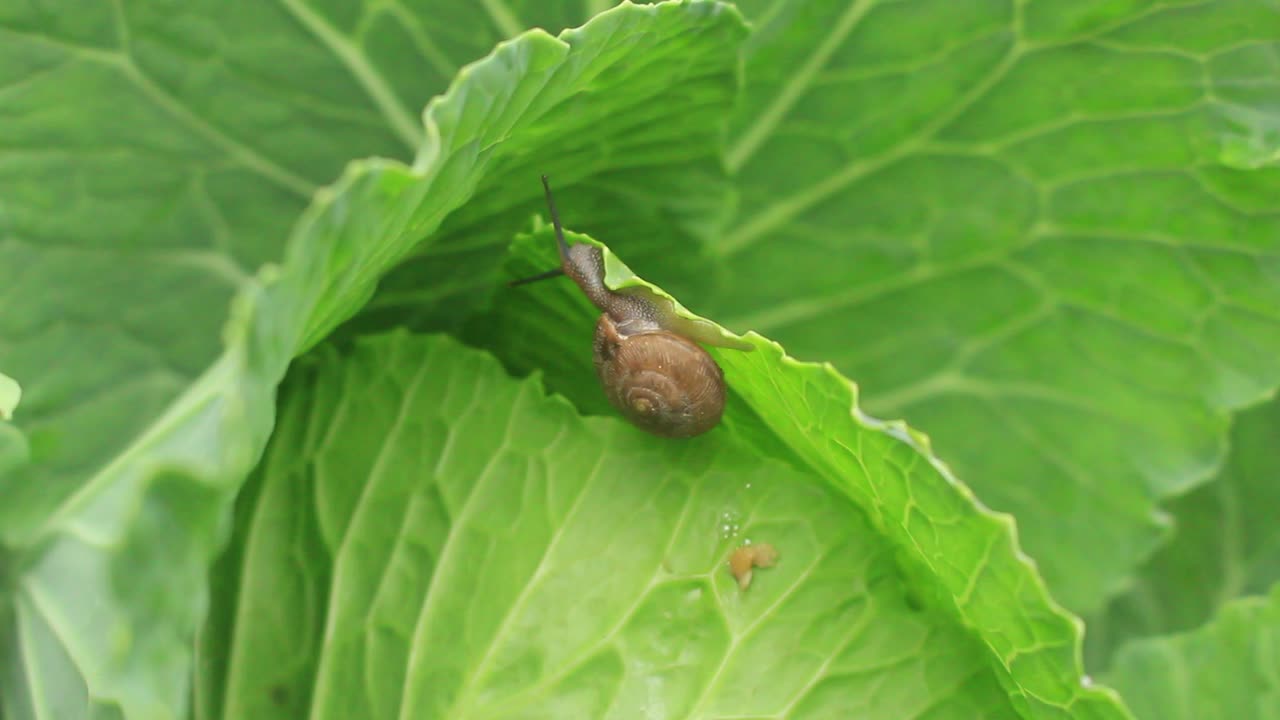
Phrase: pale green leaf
pixel 14 450
pixel 10 396
pixel 436 539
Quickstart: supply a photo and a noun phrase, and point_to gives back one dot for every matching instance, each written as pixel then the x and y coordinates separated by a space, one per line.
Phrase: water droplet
pixel 730 524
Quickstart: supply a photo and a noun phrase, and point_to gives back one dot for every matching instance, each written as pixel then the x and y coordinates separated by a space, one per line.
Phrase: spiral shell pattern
pixel 664 383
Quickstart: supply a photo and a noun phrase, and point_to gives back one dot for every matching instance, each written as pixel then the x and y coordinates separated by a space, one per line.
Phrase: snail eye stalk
pixel 555 221
pixel 561 243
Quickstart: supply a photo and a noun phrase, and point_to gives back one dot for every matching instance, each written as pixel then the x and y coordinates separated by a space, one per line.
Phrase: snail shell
pixel 662 382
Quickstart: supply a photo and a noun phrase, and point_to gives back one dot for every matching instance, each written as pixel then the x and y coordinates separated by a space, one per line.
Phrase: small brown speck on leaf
pixel 746 558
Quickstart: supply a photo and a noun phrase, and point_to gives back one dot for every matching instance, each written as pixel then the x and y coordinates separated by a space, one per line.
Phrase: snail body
pixel 658 378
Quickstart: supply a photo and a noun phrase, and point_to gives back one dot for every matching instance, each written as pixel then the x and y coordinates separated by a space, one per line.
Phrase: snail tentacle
pixel 658 379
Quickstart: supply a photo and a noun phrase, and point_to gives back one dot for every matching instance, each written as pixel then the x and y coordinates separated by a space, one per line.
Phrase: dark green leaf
pixel 1046 233
pixel 107 589
pixel 1226 545
pixel 1223 671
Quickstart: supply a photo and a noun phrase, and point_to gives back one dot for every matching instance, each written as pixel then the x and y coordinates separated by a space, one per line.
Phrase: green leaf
pixel 14 451
pixel 957 553
pixel 155 159
pixel 1044 232
pixel 416 498
pixel 1226 545
pixel 10 396
pixel 1224 670
pixel 157 156
pixel 106 590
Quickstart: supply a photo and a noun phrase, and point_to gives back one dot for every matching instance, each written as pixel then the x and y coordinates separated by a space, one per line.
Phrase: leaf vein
pixel 357 62
pixel 479 667
pixel 503 17
pixel 343 555
pixel 791 91
pixel 773 216
pixel 428 604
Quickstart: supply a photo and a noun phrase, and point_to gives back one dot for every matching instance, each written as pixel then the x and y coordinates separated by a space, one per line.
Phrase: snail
pixel 658 378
